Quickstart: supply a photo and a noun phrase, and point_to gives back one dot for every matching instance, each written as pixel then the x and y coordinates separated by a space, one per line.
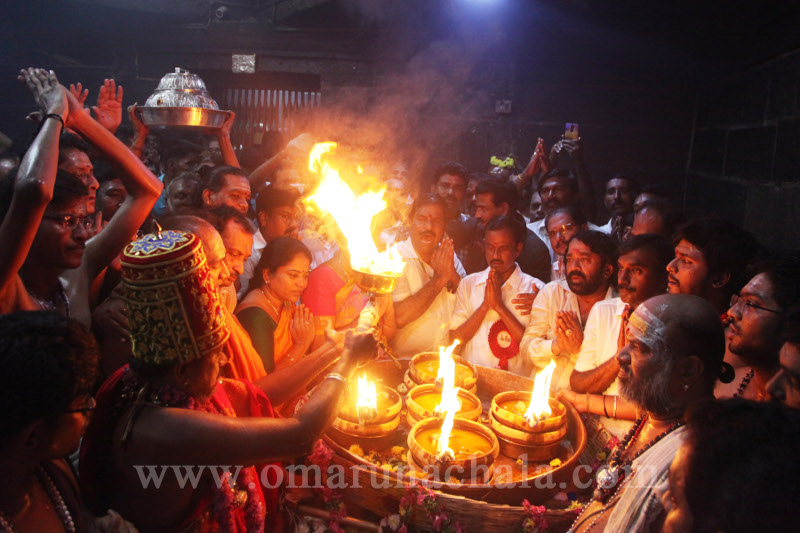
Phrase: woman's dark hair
pixel 742 466
pixel 46 361
pixel 513 223
pixel 277 253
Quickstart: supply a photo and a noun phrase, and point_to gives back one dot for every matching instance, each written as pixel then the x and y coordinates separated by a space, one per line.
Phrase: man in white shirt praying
pixel 641 275
pixel 424 296
pixel 485 318
pixel 560 310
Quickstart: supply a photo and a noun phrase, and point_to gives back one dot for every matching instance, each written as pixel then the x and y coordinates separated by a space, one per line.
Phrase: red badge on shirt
pixel 502 344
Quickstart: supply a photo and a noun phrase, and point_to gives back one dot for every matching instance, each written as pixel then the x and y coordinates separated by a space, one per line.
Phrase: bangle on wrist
pixel 337 376
pixel 614 414
pixel 55 116
pixel 605 411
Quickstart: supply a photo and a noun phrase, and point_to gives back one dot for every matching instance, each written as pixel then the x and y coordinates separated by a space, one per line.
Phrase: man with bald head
pixel 670 364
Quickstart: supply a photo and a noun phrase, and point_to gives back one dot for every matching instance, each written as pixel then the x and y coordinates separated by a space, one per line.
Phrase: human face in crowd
pixel 178 165
pixel 396 197
pixel 560 230
pixel 556 193
pixel 281 221
pixel 110 196
pixel 645 371
pixel 290 280
pixel 679 516
pixel 215 257
pixel 452 189
pixel 427 229
pixel 756 320
pixel 647 220
pixel 202 375
pixel 586 273
pixel 639 277
pixel 77 163
pixel 535 209
pixel 501 251
pixel 688 272
pixel 71 426
pixel 213 151
pixel 238 246
pixel 486 209
pixel 618 197
pixel 235 193
pixel 784 387
pixel 61 238
pixel 399 171
pixel 180 193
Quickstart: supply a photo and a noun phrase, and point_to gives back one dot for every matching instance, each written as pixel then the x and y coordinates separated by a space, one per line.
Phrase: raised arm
pixel 36 176
pixel 247 441
pixel 142 186
pixel 224 138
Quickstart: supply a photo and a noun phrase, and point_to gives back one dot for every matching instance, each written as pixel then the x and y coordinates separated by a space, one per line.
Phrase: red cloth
pixel 238 398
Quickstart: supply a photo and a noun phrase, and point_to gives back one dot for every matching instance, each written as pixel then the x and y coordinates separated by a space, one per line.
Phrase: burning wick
pixel 539 407
pixel 367 403
pixel 449 404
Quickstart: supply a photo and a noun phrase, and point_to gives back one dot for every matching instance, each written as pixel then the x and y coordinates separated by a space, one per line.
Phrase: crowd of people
pixel 161 305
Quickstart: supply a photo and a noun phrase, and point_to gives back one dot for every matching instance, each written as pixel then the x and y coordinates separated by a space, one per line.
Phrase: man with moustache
pixel 485 318
pixel 562 224
pixel 641 275
pixel 711 260
pixel 450 183
pixel 620 192
pixel 561 308
pixel 495 198
pixel 669 365
pixel 236 231
pixel 756 317
pixel 557 188
pixel 277 215
pixel 424 295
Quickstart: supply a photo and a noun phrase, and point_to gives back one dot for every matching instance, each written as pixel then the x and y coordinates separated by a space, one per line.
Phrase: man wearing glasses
pixel 756 317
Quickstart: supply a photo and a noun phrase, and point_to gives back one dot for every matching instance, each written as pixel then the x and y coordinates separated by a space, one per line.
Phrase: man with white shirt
pixel 641 275
pixel 277 216
pixel 557 188
pixel 561 308
pixel 485 317
pixel 424 295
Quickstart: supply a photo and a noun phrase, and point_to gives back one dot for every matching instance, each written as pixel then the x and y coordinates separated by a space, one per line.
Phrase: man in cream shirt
pixel 424 296
pixel 486 318
pixel 561 308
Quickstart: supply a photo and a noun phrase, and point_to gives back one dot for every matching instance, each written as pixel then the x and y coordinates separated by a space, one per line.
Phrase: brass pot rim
pixel 554 421
pixel 468 383
pixel 430 458
pixel 388 414
pixel 367 430
pixel 525 437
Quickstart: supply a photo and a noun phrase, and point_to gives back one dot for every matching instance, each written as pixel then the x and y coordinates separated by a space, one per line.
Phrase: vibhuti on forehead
pixel 646 327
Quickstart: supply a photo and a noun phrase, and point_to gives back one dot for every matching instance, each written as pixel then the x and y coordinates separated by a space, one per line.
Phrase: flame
pixel 353 214
pixel 367 403
pixel 539 407
pixel 449 404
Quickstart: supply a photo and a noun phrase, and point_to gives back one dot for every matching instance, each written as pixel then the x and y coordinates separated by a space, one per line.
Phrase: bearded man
pixel 560 310
pixel 669 365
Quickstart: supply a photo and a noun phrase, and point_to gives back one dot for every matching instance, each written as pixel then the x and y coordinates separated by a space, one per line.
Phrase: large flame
pixel 539 407
pixel 367 402
pixel 353 214
pixel 449 404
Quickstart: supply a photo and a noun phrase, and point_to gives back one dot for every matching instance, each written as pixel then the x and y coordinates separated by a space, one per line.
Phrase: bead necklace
pixel 745 382
pixel 272 305
pixel 613 476
pixel 55 497
pixel 52 304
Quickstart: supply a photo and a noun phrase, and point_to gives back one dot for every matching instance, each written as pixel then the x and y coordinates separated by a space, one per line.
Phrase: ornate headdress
pixel 174 312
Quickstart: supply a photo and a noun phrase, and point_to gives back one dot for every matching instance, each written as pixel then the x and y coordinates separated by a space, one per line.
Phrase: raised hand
pixel 524 301
pixel 50 96
pixel 227 126
pixel 79 92
pixel 108 111
pixel 360 348
pixel 569 332
pixel 493 296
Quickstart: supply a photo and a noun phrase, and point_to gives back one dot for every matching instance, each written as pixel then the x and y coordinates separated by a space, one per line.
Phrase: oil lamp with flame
pixel 370 417
pixel 457 447
pixel 529 424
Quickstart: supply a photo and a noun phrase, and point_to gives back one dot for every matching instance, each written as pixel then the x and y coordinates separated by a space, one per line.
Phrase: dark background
pixel 701 97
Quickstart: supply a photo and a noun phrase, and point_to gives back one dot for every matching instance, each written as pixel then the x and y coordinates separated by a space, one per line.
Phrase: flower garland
pixel 321 456
pixel 419 496
pixel 536 522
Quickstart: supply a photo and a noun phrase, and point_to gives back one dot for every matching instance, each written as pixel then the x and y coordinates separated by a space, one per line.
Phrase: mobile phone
pixel 571 131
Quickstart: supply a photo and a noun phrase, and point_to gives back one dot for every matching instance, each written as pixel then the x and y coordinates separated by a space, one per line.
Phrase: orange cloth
pixel 243 360
pixel 282 335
